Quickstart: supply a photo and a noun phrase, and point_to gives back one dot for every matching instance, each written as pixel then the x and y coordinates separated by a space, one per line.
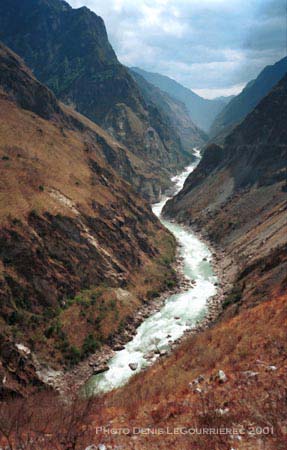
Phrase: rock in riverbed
pixel 149 356
pixel 118 347
pixel 133 366
pixel 100 369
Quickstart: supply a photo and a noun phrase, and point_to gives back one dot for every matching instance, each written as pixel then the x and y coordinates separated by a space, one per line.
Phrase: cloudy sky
pixel 214 47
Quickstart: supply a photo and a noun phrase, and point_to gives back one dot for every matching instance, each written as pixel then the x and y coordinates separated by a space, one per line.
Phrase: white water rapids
pixel 179 313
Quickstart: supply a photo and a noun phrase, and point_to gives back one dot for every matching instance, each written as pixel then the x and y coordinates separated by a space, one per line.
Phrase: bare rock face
pixel 18 373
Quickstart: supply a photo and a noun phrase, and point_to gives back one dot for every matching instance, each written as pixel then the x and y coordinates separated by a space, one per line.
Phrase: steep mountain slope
pixel 247 100
pixel 79 250
pixel 202 111
pixel 69 51
pixel 191 136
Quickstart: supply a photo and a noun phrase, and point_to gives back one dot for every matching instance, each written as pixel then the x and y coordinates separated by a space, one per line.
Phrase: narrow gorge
pixel 180 312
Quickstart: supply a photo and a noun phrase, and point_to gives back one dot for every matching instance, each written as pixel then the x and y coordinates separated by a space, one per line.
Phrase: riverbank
pixel 72 381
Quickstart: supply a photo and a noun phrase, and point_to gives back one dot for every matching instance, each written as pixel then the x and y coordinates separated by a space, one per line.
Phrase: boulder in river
pixel 149 356
pixel 100 369
pixel 118 347
pixel 133 366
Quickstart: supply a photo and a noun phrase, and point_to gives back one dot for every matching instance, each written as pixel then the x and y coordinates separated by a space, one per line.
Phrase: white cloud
pixel 214 93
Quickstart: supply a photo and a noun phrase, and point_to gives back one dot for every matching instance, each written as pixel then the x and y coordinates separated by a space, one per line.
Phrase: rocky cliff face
pixel 237 195
pixel 69 51
pixel 175 111
pixel 241 105
pixel 71 231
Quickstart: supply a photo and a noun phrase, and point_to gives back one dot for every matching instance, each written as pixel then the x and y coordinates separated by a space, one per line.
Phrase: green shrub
pixel 15 317
pixel 234 296
pixel 90 345
pixel 73 355
pixel 152 294
pixel 113 304
pixel 49 331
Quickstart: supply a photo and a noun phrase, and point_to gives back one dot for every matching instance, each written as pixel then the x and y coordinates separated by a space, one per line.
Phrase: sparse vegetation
pixel 90 345
pixel 234 297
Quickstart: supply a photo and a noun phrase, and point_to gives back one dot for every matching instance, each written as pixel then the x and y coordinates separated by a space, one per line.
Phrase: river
pixel 179 313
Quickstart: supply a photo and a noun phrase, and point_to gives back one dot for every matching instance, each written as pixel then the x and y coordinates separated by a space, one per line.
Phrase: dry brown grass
pixel 162 397
pixel 41 155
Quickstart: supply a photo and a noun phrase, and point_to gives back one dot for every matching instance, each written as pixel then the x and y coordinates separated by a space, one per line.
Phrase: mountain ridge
pixel 202 111
pixel 238 108
pixel 191 136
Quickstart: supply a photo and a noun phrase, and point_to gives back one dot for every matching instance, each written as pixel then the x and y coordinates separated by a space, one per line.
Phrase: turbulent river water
pixel 179 313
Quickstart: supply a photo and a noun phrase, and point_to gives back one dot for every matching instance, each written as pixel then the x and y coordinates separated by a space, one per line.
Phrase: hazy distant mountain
pixel 191 136
pixel 238 108
pixel 225 99
pixel 202 111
